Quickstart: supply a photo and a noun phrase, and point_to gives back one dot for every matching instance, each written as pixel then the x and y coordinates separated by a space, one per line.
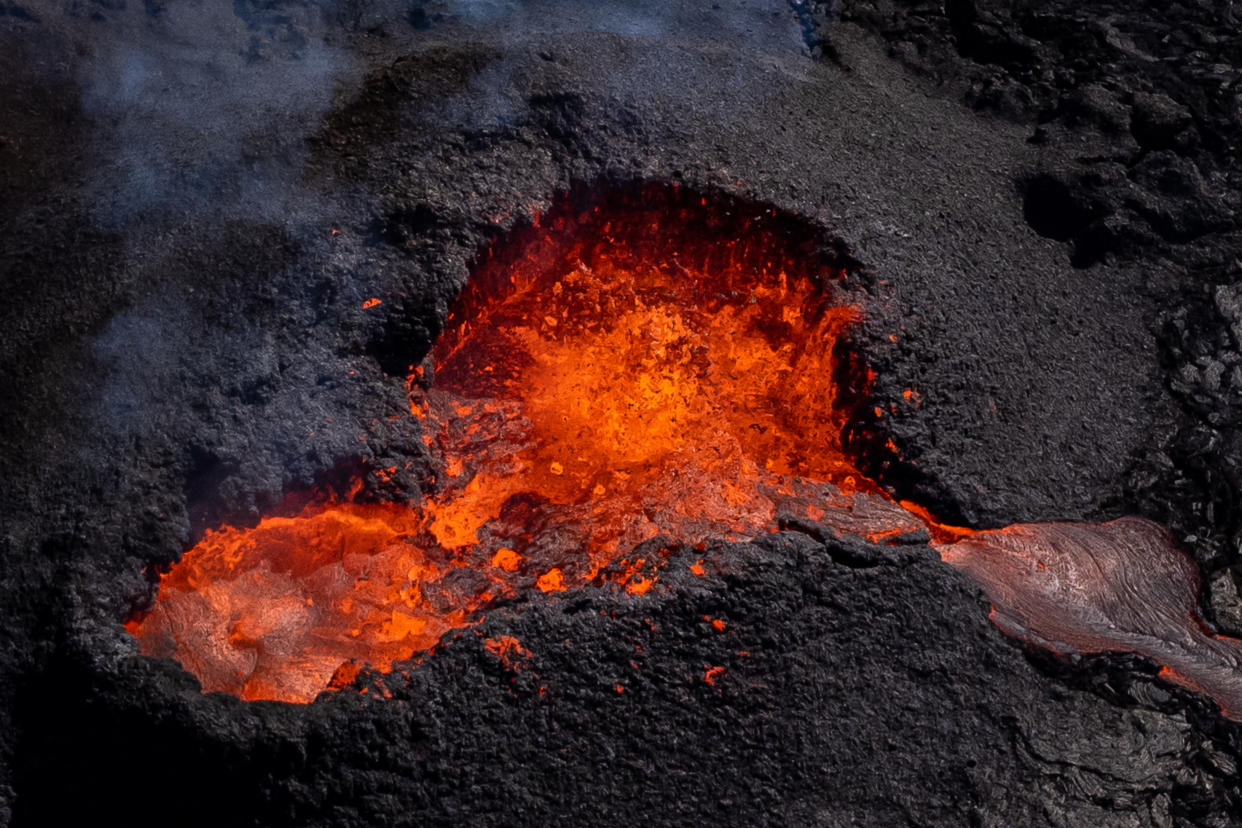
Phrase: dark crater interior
pixel 1036 205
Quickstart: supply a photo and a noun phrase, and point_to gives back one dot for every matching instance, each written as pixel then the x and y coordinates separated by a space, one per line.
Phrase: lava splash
pixel 647 367
pixel 630 385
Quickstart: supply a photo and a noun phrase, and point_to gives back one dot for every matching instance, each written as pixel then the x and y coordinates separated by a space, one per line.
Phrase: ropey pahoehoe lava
pixel 653 366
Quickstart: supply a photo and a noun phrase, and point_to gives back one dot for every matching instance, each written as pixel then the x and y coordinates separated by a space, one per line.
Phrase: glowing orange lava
pixel 650 367
pixel 630 391
pixel 272 612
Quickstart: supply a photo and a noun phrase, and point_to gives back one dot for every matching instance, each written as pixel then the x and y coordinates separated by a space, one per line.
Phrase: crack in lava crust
pixel 661 367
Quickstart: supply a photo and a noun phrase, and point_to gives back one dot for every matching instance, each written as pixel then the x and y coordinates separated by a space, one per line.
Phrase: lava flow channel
pixel 1117 586
pixel 662 368
pixel 653 368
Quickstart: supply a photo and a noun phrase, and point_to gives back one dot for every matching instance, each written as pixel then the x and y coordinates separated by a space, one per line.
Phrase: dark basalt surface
pixel 1044 198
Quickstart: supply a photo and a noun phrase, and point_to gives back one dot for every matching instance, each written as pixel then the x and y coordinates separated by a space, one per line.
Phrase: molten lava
pixel 272 612
pixel 629 395
pixel 656 367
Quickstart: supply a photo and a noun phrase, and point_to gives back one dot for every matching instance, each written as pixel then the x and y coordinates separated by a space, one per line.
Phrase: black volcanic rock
pixel 1173 66
pixel 1158 120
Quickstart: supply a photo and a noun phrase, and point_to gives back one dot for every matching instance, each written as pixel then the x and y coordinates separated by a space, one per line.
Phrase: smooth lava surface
pixel 1117 586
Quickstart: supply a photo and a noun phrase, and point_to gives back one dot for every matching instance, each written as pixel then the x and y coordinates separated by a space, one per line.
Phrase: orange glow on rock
pixel 508 649
pixel 344 675
pixel 373 302
pixel 551 581
pixel 506 559
pixel 639 586
pixel 940 532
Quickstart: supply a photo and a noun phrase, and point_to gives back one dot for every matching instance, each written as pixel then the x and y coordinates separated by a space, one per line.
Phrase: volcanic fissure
pixel 645 369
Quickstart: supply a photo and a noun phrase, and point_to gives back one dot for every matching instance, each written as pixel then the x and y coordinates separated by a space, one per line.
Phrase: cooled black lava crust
pixel 195 204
